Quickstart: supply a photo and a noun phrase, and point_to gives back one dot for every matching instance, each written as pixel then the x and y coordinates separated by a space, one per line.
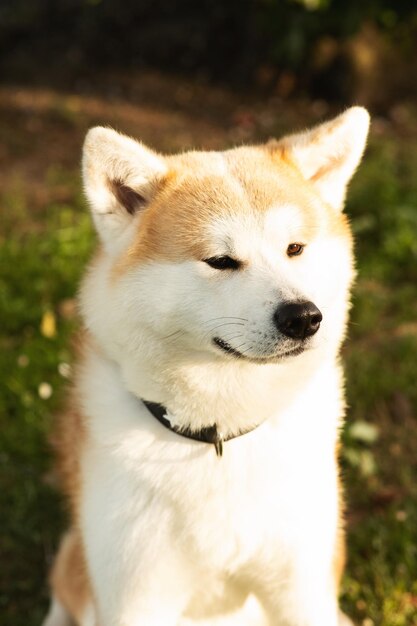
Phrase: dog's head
pixel 243 254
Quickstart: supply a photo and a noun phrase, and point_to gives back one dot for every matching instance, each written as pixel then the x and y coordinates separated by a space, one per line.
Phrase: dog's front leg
pixel 136 584
pixel 139 575
pixel 297 610
pixel 299 598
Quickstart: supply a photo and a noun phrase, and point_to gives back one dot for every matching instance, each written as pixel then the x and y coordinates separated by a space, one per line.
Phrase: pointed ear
pixel 329 154
pixel 120 177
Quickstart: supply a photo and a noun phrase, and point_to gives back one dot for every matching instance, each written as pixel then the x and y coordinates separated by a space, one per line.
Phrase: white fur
pixel 57 615
pixel 180 519
pixel 172 533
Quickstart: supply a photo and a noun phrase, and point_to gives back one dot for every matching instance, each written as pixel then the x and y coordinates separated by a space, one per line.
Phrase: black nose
pixel 298 319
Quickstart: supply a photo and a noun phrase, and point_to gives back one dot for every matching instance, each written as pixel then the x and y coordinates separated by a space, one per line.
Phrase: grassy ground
pixel 45 239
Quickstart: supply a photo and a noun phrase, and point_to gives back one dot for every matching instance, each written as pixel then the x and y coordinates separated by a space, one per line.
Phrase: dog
pixel 199 450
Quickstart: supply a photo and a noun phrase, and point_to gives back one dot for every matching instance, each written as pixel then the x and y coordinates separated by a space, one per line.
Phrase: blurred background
pixel 207 74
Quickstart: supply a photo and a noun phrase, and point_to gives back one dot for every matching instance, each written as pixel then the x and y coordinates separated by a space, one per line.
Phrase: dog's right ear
pixel 120 176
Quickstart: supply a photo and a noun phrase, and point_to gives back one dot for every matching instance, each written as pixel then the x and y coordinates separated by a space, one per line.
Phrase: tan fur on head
pixel 119 171
pixel 173 198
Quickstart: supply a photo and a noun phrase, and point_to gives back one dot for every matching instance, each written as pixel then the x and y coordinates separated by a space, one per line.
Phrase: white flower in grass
pixel 45 391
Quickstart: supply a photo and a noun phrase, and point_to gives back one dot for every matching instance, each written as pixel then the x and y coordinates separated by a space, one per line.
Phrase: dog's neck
pixel 235 395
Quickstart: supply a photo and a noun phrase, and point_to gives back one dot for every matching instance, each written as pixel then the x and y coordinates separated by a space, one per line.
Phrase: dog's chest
pixel 273 487
pixel 226 510
pixel 229 504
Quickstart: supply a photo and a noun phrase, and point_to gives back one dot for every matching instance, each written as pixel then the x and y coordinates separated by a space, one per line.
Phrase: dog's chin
pixel 273 357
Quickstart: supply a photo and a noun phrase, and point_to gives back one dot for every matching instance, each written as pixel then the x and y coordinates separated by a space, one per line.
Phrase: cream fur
pixel 171 533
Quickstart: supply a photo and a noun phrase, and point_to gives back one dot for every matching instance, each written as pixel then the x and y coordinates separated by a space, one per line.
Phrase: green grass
pixel 380 355
pixel 40 265
pixel 41 260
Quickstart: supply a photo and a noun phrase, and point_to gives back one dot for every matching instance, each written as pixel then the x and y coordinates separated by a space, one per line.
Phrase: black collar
pixel 209 434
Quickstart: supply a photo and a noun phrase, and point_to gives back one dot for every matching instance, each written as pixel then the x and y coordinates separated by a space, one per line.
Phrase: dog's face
pixel 243 254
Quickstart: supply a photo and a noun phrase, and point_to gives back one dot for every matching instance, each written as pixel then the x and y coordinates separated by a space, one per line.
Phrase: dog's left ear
pixel 329 154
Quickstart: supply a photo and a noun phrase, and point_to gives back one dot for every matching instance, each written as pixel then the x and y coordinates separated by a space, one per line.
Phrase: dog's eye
pixel 295 249
pixel 223 263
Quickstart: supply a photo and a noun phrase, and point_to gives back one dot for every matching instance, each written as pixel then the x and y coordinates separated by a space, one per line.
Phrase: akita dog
pixel 200 451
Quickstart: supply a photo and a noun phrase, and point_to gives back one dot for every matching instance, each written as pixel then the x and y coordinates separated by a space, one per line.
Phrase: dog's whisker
pixel 230 317
pixel 238 348
pixel 210 330
pixel 245 351
pixel 227 317
pixel 176 338
pixel 176 332
pixel 227 324
pixel 228 338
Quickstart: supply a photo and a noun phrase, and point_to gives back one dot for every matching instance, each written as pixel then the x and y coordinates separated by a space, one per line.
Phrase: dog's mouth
pixel 225 347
